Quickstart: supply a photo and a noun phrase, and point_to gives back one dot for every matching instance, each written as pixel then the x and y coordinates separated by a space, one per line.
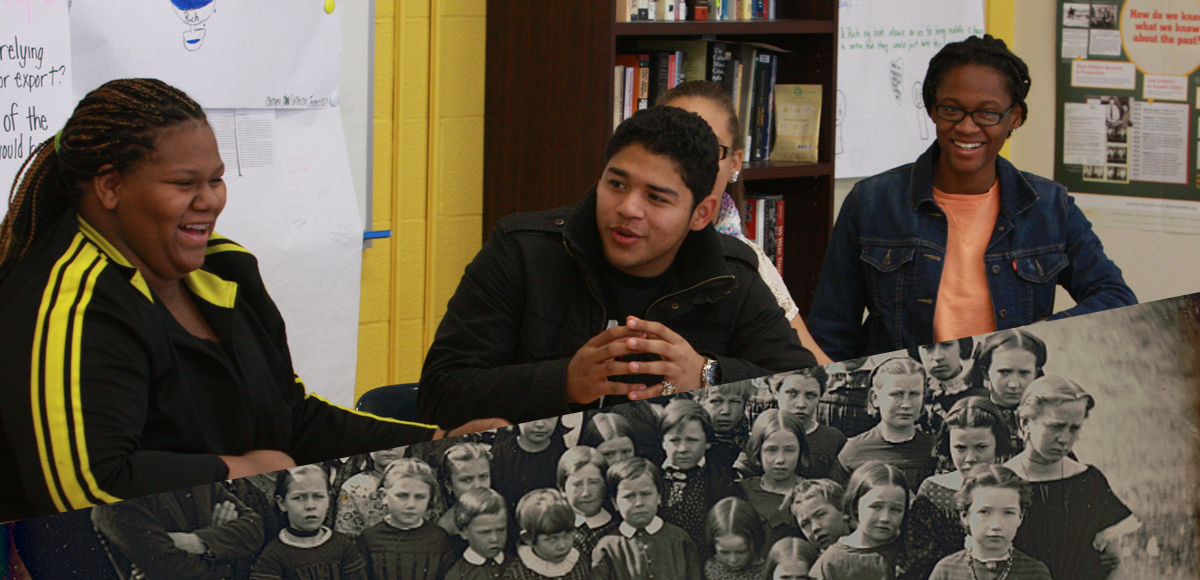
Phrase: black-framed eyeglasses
pixel 981 118
pixel 724 152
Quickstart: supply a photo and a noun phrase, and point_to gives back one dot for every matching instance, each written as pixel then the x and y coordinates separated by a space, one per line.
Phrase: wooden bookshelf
pixel 549 101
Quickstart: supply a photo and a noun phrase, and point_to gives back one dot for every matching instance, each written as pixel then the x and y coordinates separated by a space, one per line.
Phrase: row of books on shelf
pixel 747 71
pixel 682 10
pixel 764 225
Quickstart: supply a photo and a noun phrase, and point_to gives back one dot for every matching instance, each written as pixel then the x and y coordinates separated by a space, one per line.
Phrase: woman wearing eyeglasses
pixel 960 242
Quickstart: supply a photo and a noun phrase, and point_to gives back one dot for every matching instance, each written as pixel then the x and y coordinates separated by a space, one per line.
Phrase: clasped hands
pixel 589 370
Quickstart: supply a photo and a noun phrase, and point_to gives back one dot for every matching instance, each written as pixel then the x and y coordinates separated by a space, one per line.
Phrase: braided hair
pixel 987 51
pixel 111 129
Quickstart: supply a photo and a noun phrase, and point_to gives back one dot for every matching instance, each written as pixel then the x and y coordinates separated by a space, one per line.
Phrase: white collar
pixel 668 465
pixel 551 569
pixel 323 536
pixel 599 519
pixel 653 527
pixel 473 557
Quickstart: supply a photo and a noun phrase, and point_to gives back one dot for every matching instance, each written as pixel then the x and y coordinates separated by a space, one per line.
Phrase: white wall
pixel 1156 265
pixel 354 84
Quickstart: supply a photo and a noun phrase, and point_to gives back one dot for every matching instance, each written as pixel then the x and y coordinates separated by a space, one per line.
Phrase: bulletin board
pixel 1127 100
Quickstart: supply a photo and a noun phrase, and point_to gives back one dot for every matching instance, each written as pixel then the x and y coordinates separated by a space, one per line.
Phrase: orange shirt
pixel 964 302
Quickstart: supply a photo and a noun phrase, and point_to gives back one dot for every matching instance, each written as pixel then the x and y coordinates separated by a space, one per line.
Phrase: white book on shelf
pixel 630 99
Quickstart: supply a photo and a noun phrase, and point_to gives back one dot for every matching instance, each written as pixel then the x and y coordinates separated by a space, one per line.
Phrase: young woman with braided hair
pixel 960 242
pixel 141 352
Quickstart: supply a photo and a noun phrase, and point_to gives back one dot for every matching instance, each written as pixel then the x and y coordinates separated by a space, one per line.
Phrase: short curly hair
pixel 684 138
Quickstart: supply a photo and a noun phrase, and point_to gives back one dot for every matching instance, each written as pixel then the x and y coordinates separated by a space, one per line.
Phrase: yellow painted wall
pixel 1000 24
pixel 428 178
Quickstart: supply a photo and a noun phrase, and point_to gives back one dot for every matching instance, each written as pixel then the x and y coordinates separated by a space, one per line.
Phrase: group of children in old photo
pixel 956 466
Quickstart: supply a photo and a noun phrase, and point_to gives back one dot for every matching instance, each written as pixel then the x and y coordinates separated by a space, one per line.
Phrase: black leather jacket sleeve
pixel 470 359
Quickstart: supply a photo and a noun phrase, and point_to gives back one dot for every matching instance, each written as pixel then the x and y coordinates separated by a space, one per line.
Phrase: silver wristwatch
pixel 710 373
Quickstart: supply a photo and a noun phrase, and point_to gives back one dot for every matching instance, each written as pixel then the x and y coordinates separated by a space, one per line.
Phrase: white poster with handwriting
pixel 298 215
pixel 223 53
pixel 883 53
pixel 35 80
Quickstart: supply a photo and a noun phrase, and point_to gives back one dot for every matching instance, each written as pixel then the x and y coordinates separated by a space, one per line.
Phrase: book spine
pixel 630 93
pixel 680 66
pixel 751 218
pixel 644 81
pixel 618 94
pixel 681 10
pixel 727 77
pixel 660 79
pixel 769 229
pixel 769 140
pixel 760 223
pixel 779 221
pixel 643 11
pixel 746 113
pixel 672 70
pixel 758 9
pixel 718 56
pixel 762 70
pixel 699 10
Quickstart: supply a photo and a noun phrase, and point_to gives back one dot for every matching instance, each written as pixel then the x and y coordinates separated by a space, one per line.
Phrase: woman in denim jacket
pixel 959 243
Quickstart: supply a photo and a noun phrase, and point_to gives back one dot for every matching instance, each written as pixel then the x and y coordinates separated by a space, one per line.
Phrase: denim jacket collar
pixel 1016 195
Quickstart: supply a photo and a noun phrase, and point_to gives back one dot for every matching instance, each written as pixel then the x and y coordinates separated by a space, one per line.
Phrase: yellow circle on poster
pixel 1162 37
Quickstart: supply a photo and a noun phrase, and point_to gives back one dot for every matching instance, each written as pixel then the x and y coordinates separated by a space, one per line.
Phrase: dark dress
pixel 932 530
pixel 956 567
pixel 777 523
pixel 394 554
pixel 516 472
pixel 689 494
pixel 842 562
pixel 335 559
pixel 520 570
pixel 668 554
pixel 1064 518
pixel 586 536
pixel 714 570
pixel 490 569
pixel 912 457
pixel 824 444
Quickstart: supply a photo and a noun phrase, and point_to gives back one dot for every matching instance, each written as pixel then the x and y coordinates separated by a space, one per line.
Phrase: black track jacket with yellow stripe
pixel 104 396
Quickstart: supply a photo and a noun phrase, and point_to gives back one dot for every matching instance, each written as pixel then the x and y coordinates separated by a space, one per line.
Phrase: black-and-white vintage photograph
pixel 1065 449
pixel 1105 16
pixel 1118 153
pixel 1078 15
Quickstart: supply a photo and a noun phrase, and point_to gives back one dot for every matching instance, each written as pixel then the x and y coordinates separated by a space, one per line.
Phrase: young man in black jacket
pixel 629 293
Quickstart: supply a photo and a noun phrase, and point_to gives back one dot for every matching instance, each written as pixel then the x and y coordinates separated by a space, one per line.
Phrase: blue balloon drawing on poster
pixel 193 13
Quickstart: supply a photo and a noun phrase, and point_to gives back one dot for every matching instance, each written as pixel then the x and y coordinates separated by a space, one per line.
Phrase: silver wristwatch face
pixel 709 373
